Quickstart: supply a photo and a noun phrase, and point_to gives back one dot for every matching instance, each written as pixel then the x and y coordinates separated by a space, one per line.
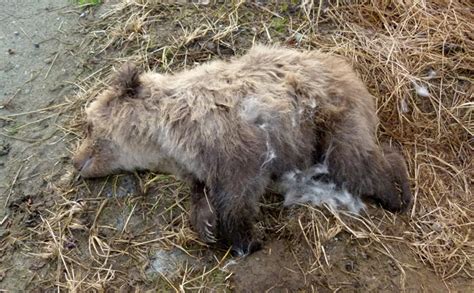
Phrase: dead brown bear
pixel 230 128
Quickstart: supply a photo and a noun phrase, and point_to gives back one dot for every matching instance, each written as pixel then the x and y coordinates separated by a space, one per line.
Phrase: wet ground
pixel 38 65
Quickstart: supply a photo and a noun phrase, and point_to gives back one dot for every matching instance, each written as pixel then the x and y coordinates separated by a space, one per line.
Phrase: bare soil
pixel 38 43
pixel 131 232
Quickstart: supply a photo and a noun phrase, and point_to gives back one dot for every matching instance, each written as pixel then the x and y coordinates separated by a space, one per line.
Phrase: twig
pixel 51 66
pixel 27 35
pixel 37 111
pixel 7 102
pixel 4 219
pixel 12 185
pixel 20 138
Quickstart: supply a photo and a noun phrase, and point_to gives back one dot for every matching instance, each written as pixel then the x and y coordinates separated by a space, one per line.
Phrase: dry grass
pixel 417 57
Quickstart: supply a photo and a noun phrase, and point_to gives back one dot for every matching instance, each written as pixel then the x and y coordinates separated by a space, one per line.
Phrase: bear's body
pixel 230 128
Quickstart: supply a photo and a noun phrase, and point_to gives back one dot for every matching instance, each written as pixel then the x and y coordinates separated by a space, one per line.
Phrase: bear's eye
pixel 88 129
pixel 96 144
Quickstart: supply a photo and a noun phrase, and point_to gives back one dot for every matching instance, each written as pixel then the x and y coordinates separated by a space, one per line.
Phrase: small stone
pixel 349 266
pixel 11 51
pixel 36 135
pixel 37 45
pixel 4 149
pixel 299 37
pixel 210 46
pixel 70 245
pixel 16 33
pixel 437 227
pixel 38 265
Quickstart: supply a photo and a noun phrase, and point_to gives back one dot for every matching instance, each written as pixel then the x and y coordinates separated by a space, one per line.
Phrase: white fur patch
pixel 421 90
pixel 269 155
pixel 252 110
pixel 302 187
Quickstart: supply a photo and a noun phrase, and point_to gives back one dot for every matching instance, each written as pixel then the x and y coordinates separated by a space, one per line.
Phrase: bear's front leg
pixel 237 210
pixel 203 216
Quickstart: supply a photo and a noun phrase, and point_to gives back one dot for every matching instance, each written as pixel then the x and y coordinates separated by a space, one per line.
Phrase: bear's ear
pixel 126 80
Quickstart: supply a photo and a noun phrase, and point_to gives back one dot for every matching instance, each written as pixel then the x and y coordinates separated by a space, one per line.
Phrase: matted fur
pixel 230 128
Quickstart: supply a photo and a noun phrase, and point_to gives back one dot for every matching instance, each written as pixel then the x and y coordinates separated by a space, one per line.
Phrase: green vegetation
pixel 89 2
pixel 279 24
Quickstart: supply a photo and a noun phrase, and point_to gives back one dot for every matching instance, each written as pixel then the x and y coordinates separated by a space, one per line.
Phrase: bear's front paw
pixel 204 221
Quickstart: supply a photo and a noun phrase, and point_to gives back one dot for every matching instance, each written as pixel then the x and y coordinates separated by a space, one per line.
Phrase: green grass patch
pixel 279 24
pixel 88 2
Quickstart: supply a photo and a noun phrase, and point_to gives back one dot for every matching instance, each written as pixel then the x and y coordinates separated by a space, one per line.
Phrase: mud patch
pixel 346 265
pixel 39 43
pixel 273 268
pixel 168 263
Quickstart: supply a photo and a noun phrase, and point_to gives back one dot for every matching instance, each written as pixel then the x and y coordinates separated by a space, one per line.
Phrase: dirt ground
pixel 38 41
pixel 130 232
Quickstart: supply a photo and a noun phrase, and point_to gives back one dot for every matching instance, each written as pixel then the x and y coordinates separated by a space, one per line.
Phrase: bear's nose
pixel 79 162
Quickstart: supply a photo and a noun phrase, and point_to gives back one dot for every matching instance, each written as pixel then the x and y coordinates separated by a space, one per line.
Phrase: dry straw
pixel 417 57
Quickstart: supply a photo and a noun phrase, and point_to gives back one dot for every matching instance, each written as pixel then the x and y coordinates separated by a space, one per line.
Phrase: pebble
pixel 210 46
pixel 16 33
pixel 4 233
pixel 11 51
pixel 349 266
pixel 4 149
pixel 37 135
pixel 437 227
pixel 37 45
pixel 298 37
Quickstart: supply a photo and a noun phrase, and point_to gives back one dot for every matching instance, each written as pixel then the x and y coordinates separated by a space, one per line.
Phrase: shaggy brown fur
pixel 229 128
